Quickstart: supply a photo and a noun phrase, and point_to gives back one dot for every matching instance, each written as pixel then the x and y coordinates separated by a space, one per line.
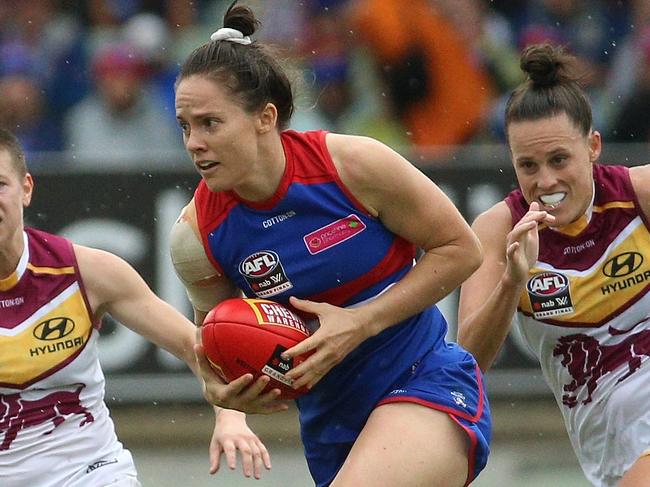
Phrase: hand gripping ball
pixel 242 335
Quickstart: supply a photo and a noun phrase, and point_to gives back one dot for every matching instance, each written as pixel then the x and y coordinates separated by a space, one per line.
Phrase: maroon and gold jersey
pixel 585 313
pixel 44 317
pixel 54 426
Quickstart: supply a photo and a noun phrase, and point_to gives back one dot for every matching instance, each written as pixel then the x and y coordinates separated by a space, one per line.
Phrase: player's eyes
pixel 527 165
pixel 559 159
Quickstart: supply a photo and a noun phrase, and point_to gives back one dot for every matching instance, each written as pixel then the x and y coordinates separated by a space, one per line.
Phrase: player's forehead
pixel 529 138
pixel 7 166
pixel 197 95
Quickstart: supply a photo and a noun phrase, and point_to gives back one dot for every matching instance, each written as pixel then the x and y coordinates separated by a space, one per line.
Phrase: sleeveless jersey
pixel 315 241
pixel 54 425
pixel 585 314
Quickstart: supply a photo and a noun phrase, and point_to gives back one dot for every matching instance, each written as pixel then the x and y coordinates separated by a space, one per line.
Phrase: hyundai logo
pixel 54 328
pixel 623 264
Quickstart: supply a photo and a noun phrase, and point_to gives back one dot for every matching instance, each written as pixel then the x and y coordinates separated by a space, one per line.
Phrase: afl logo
pixel 547 284
pixel 54 329
pixel 623 264
pixel 259 264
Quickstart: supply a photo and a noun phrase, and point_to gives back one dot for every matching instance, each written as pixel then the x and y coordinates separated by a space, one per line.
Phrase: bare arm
pixel 410 205
pixel 640 176
pixel 206 287
pixel 114 287
pixel 489 298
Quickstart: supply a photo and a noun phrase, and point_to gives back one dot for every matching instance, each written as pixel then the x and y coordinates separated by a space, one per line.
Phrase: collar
pixel 576 227
pixel 13 278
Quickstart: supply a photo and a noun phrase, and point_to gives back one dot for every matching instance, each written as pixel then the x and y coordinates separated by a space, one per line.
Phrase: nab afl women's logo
pixel 547 284
pixel 264 273
pixel 259 264
pixel 549 294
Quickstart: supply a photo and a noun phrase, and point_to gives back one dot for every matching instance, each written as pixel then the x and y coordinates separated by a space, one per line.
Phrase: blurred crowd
pixel 95 78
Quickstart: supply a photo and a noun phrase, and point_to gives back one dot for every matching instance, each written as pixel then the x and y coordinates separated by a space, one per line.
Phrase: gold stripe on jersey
pixel 8 282
pixel 576 228
pixel 45 341
pixel 612 205
pixel 596 296
pixel 51 270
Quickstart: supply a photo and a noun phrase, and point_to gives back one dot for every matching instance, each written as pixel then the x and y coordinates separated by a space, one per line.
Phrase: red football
pixel 243 335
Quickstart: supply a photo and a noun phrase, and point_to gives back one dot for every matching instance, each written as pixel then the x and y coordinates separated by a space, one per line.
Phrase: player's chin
pixel 215 185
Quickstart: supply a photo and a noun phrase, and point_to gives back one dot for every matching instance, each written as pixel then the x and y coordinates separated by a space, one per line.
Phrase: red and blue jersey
pixel 314 240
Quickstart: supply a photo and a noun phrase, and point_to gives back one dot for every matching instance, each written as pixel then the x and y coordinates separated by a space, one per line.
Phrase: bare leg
pixel 407 445
pixel 638 475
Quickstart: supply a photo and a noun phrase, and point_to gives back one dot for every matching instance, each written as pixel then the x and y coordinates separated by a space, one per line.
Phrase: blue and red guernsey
pixel 314 240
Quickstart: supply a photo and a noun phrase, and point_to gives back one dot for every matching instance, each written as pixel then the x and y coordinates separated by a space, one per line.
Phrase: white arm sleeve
pixel 194 269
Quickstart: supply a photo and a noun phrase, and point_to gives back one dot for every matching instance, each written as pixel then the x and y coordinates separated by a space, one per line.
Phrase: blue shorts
pixel 448 380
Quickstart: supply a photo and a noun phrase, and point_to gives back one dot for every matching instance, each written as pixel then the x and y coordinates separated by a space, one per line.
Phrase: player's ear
pixel 28 188
pixel 595 145
pixel 267 119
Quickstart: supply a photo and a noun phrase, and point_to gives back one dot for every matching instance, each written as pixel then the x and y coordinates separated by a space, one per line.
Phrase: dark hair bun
pixel 543 63
pixel 242 18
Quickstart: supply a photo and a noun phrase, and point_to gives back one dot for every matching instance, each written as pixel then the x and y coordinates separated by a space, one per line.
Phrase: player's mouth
pixel 552 200
pixel 206 165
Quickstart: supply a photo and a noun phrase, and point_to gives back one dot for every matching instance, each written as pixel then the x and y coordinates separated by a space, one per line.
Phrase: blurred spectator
pixel 632 123
pixel 53 42
pixel 42 72
pixel 23 111
pixel 345 98
pixel 440 92
pixel 490 40
pixel 121 123
pixel 591 30
pixel 434 75
pixel 627 70
pixel 149 34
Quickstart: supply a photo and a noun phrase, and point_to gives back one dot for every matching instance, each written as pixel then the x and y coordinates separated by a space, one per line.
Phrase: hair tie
pixel 230 35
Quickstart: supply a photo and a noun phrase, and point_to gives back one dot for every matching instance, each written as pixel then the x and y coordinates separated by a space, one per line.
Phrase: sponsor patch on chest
pixel 333 234
pixel 264 273
pixel 550 294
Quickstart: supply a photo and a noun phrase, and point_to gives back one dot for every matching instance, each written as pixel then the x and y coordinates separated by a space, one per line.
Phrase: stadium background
pixel 110 171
